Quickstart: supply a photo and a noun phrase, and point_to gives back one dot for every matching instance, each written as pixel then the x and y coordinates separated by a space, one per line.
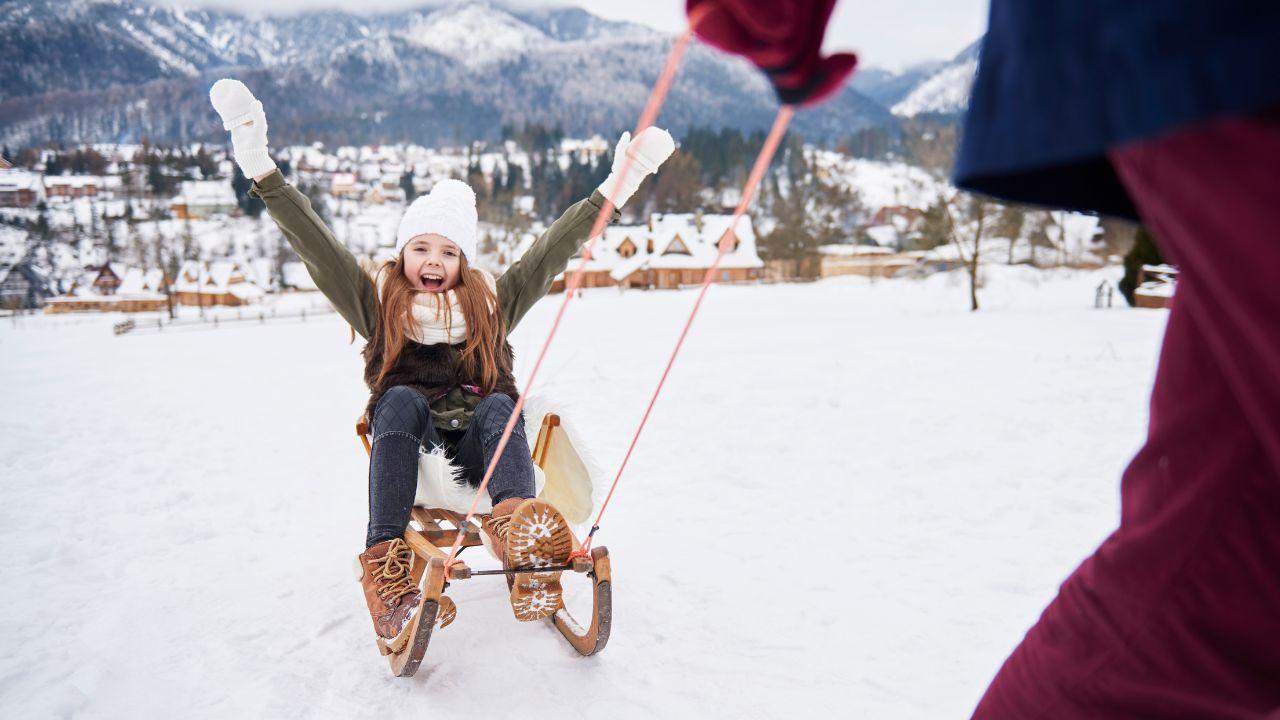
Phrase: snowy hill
pixel 961 465
pixel 946 90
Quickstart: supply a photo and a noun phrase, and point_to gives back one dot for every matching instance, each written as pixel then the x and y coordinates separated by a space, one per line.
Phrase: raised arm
pixel 529 279
pixel 335 270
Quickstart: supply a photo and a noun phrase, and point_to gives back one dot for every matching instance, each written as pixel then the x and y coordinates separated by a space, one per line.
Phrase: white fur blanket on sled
pixel 565 479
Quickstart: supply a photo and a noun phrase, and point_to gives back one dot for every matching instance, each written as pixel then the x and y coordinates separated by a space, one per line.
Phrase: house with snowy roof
pixel 19 188
pixel 72 186
pixel 671 251
pixel 202 199
pixel 344 185
pixel 1155 287
pixel 23 287
pixel 865 260
pixel 114 288
pixel 217 282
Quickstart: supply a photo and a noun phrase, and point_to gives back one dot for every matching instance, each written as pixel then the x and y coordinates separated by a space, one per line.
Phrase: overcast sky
pixel 884 33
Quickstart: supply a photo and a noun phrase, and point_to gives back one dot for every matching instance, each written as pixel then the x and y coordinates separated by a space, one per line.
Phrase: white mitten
pixel 647 151
pixel 243 115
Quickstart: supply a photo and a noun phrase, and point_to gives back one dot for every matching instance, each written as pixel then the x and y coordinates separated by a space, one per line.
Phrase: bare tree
pixel 968 218
pixel 1009 224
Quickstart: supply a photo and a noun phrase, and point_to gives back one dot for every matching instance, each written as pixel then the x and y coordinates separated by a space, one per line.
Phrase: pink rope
pixel 724 247
pixel 573 282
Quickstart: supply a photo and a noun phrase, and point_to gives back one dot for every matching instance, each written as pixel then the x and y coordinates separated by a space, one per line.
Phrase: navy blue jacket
pixel 1060 81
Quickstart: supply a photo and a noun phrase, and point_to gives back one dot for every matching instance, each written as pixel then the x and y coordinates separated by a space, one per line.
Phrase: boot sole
pixel 538 536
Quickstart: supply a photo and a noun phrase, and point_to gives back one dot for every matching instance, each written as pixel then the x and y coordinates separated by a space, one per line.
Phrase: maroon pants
pixel 1177 614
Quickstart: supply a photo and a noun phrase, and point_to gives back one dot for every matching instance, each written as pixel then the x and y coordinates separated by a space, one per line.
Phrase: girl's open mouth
pixel 432 283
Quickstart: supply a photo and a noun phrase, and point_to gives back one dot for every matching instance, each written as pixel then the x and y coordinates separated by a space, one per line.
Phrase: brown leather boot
pixel 391 589
pixel 494 527
pixel 537 536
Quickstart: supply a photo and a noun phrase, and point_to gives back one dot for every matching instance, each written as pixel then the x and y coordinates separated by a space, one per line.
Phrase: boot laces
pixel 499 526
pixel 392 573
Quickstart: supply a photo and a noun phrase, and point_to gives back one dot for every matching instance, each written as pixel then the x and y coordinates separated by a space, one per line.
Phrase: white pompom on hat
pixel 448 210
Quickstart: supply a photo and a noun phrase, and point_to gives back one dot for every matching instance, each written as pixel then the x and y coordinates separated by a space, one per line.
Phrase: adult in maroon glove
pixel 784 39
pixel 1167 112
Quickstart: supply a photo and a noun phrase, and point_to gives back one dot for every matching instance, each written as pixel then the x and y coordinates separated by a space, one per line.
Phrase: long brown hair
pixel 483 356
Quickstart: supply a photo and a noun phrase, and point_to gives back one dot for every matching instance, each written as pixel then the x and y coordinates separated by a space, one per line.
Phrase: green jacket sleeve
pixel 529 279
pixel 335 270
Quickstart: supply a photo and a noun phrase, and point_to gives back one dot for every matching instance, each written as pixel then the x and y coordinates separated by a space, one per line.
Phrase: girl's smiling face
pixel 432 263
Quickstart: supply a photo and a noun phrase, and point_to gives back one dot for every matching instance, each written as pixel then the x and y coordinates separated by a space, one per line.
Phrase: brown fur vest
pixel 430 369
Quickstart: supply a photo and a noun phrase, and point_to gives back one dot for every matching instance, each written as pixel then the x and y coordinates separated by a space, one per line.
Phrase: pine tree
pixel 155 176
pixel 1144 252
pixel 53 165
pixel 406 184
pixel 678 185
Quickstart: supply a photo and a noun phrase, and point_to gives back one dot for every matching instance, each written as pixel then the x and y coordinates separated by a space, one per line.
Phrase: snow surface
pixel 852 500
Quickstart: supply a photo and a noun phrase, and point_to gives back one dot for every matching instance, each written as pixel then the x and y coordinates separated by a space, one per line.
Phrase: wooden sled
pixel 431 533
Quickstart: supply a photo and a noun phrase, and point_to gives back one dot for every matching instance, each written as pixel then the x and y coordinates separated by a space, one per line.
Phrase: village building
pixel 23 287
pixel 106 279
pixel 114 288
pixel 1156 285
pixel 203 199
pixel 219 282
pixel 902 217
pixel 19 188
pixel 72 186
pixel 671 251
pixel 865 260
pixel 344 185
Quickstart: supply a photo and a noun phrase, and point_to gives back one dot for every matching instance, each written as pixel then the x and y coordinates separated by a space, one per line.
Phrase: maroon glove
pixel 781 37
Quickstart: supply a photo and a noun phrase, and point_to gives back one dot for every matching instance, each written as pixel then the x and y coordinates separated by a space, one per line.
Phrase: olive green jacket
pixel 339 276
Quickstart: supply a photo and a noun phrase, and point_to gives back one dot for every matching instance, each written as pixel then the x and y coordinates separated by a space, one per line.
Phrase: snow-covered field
pixel 852 500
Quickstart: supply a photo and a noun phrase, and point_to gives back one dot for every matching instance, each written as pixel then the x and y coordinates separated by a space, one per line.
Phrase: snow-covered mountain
pixel 946 90
pixel 889 87
pixel 116 70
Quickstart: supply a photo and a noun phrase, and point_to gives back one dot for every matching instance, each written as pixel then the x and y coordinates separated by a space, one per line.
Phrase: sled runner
pixel 432 531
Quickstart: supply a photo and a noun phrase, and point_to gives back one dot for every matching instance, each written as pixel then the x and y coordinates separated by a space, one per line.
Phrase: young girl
pixel 437 361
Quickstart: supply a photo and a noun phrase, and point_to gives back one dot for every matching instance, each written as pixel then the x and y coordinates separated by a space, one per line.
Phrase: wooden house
pixel 201 199
pixel 72 186
pixel 671 251
pixel 864 260
pixel 1156 285
pixel 19 188
pixel 106 279
pixel 23 287
pixel 127 289
pixel 220 282
pixel 344 185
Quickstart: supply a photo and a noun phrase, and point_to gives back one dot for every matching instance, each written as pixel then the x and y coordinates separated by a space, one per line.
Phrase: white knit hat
pixel 448 210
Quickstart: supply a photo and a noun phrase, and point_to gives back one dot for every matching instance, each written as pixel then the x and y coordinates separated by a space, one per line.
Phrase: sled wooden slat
pixel 430 526
pixel 455 520
pixel 427 549
pixel 543 443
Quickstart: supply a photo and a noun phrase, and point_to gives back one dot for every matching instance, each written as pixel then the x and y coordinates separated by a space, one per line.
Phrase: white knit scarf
pixel 429 327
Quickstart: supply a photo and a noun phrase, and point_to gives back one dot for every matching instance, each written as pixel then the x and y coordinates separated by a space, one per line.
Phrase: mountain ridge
pixel 434 74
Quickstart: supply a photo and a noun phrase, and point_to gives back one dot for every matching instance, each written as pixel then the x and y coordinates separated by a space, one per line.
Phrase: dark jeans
pixel 402 429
